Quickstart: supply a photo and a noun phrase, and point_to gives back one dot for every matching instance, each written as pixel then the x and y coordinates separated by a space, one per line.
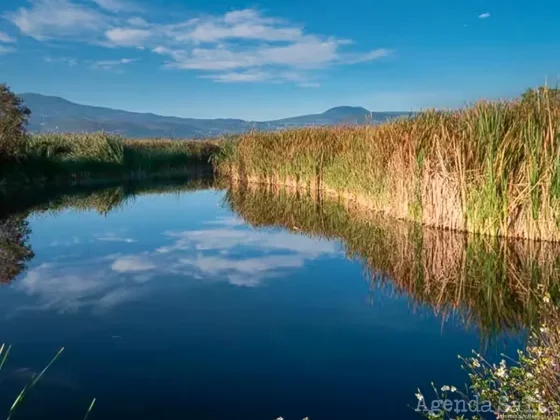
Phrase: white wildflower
pixel 419 396
pixel 453 389
pixel 501 372
pixel 445 388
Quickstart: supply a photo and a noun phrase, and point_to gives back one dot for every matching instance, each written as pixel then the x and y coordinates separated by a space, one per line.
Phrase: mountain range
pixel 54 114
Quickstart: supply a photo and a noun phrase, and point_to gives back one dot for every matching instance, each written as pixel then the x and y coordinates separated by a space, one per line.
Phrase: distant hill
pixel 51 113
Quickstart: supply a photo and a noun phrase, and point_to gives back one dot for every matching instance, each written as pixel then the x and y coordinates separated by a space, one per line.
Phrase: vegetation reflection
pixel 487 281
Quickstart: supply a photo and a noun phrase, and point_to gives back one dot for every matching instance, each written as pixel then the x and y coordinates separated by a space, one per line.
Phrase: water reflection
pixel 489 282
pixel 486 281
pixel 237 295
pixel 15 250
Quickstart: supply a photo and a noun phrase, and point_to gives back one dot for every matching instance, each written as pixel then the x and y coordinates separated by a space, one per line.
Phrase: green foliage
pixel 4 352
pixel 492 168
pixel 13 118
pixel 73 157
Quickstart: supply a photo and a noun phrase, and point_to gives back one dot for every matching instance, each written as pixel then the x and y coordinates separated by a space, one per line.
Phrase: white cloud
pixel 222 238
pixel 65 287
pixel 221 253
pixel 240 16
pixel 225 251
pixel 247 24
pixel 249 76
pixel 255 76
pixel 132 263
pixel 246 272
pixel 4 37
pixel 47 19
pixel 111 65
pixel 226 221
pixel 308 52
pixel 265 61
pixel 69 61
pixel 112 237
pixel 237 46
pixel 128 37
pixel 137 21
pixel 116 5
pixel 369 56
pixel 75 240
pixel 485 15
pixel 212 32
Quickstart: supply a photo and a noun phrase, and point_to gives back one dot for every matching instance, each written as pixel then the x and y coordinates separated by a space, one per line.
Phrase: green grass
pixel 4 353
pixel 492 168
pixel 78 157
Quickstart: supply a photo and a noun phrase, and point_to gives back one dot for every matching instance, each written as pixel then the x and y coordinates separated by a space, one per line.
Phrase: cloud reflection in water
pixel 224 250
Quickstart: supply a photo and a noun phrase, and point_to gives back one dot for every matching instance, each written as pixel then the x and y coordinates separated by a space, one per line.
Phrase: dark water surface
pixel 174 306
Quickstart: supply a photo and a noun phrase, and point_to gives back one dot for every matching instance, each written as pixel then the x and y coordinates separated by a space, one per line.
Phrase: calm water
pixel 172 306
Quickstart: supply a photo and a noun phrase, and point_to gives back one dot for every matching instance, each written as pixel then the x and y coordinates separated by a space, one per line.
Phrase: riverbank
pixel 492 169
pixel 81 158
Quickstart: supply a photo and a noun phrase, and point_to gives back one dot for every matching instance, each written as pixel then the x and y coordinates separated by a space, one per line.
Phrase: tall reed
pixel 492 168
pixel 73 157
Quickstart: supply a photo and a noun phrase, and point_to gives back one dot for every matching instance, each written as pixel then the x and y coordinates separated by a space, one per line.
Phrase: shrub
pixel 13 118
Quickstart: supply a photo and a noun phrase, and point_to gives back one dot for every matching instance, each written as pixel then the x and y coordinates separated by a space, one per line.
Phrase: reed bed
pixel 63 157
pixel 492 168
pixel 490 283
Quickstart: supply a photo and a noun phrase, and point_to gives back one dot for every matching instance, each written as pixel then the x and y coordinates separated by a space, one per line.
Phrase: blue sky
pixel 271 59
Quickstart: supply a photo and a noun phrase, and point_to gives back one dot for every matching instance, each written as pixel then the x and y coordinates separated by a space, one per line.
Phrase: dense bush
pixel 13 118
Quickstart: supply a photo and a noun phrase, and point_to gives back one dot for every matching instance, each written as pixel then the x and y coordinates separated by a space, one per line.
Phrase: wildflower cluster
pixel 525 388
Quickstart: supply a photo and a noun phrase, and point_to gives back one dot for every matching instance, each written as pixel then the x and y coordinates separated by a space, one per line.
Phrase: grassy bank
pixel 78 157
pixel 493 168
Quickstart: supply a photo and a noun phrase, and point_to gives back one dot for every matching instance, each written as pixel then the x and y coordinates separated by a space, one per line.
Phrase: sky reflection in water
pixel 173 307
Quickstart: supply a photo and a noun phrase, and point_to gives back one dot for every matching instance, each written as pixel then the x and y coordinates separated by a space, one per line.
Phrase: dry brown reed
pixel 493 168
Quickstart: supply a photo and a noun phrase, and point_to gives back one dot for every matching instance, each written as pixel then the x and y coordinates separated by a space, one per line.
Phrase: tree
pixel 13 119
pixel 15 250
